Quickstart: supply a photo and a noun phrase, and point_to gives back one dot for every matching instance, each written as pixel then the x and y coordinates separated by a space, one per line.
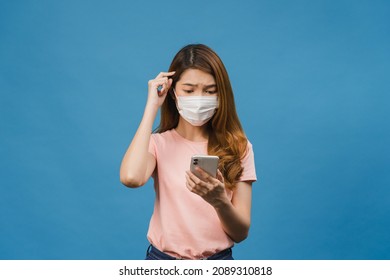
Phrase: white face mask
pixel 197 110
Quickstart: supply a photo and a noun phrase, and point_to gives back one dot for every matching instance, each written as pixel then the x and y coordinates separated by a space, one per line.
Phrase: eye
pixel 211 91
pixel 188 91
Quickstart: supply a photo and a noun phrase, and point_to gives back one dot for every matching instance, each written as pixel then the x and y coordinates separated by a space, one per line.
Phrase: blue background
pixel 311 80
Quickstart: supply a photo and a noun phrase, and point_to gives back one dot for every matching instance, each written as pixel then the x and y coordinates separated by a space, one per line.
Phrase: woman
pixel 194 217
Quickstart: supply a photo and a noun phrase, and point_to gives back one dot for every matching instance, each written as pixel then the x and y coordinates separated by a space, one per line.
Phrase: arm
pixel 138 164
pixel 234 215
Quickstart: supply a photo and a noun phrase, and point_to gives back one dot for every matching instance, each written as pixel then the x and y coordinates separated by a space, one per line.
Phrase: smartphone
pixel 207 163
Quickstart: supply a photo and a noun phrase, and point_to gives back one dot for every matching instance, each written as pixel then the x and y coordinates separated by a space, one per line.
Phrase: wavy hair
pixel 226 136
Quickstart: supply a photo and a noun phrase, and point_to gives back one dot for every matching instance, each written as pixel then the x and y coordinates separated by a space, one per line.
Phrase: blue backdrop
pixel 312 91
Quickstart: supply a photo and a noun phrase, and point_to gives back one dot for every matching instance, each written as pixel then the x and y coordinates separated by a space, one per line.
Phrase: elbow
pixel 131 181
pixel 241 237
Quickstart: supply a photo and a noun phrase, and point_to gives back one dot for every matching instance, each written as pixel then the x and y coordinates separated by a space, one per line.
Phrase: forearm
pixel 135 161
pixel 234 223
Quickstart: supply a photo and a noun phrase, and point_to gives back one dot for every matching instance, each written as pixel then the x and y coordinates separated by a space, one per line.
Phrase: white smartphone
pixel 207 163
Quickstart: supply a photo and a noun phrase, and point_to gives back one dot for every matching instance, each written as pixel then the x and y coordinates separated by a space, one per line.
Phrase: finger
pixel 189 182
pixel 162 77
pixel 157 82
pixel 206 176
pixel 196 189
pixel 195 184
pixel 170 82
pixel 220 176
pixel 160 81
pixel 165 86
pixel 192 186
pixel 161 85
pixel 193 178
pixel 165 74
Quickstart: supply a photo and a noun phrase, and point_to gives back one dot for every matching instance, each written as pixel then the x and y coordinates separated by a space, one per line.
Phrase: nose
pixel 200 93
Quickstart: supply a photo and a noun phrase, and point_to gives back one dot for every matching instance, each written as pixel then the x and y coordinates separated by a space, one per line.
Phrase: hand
pixel 158 88
pixel 209 188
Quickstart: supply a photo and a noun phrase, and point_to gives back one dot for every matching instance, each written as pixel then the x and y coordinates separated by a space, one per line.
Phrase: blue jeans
pixel 154 254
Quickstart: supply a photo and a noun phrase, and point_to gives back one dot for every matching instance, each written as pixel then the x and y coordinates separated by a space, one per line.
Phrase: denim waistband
pixel 158 255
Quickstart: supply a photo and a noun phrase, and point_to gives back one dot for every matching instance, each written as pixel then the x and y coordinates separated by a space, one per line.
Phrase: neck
pixel 190 132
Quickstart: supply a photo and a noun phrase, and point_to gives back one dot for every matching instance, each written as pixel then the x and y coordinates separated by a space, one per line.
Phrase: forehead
pixel 196 77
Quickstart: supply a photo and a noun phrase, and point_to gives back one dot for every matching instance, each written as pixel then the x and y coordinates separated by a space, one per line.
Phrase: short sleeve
pixel 248 163
pixel 152 146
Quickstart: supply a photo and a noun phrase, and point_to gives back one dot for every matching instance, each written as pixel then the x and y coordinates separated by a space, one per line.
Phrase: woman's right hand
pixel 158 88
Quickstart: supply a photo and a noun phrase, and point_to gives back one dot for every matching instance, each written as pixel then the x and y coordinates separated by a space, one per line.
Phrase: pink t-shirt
pixel 183 224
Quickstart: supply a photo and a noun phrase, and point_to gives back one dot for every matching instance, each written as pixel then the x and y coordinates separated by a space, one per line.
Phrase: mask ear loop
pixel 175 99
pixel 173 93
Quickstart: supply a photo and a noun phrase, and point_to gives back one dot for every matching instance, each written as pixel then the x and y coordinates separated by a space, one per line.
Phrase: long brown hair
pixel 226 136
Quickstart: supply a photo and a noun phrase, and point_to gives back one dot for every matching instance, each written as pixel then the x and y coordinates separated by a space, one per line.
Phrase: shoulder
pixel 165 134
pixel 163 137
pixel 248 152
pixel 249 144
pixel 248 147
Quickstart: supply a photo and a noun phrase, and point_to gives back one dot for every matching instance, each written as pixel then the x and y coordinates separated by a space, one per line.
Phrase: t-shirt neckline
pixel 189 141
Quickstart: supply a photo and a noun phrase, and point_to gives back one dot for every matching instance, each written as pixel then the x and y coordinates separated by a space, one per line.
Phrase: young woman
pixel 194 217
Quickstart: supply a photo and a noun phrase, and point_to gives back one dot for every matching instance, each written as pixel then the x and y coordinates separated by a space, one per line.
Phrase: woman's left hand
pixel 209 188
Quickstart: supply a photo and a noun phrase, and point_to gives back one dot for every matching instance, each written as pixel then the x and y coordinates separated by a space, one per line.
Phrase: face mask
pixel 197 110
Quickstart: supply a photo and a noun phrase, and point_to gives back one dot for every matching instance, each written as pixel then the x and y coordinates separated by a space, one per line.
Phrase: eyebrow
pixel 193 85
